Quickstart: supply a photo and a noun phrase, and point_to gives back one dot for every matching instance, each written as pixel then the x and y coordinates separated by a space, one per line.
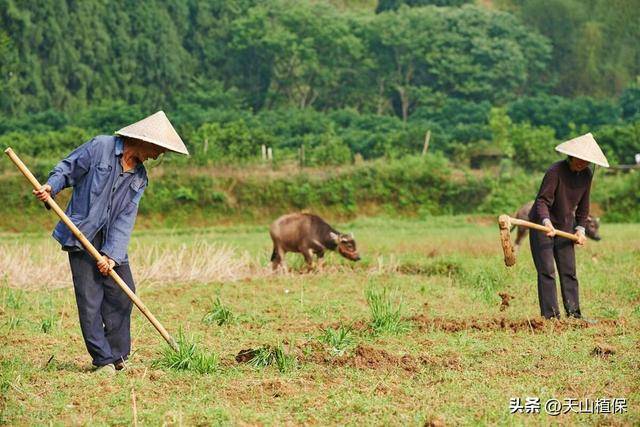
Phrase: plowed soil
pixel 496 324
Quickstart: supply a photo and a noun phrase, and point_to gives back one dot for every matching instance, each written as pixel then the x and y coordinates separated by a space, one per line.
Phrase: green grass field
pixel 441 349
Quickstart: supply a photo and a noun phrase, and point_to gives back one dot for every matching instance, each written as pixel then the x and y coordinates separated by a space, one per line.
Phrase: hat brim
pixel 151 141
pixel 584 157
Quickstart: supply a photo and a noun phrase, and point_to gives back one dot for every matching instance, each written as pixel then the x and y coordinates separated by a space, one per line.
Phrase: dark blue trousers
pixel 104 309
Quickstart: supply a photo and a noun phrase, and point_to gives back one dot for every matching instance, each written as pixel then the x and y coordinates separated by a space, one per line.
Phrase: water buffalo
pixel 308 234
pixel 592 229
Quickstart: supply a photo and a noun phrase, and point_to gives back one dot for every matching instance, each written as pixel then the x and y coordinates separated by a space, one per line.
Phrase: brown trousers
pixel 544 251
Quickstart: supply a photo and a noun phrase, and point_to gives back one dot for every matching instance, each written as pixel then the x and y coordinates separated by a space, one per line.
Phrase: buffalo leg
pixel 277 257
pixel 308 258
pixel 320 255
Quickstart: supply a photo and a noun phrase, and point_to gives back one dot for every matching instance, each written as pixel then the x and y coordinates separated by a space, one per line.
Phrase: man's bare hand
pixel 552 232
pixel 105 265
pixel 582 239
pixel 43 193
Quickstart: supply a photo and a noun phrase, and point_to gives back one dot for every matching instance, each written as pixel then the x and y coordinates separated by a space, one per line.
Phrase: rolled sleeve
pixel 117 242
pixel 70 169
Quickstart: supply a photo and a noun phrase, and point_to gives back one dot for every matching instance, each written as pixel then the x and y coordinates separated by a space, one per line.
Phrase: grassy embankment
pixel 181 195
pixel 452 354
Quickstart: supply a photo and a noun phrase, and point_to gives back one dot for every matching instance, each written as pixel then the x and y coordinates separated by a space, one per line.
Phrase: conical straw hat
pixel 157 130
pixel 584 147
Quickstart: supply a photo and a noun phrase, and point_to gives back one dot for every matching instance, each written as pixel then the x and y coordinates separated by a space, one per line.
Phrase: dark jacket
pixel 563 197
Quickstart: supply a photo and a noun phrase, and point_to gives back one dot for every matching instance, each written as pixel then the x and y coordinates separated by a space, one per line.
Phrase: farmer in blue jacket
pixel 108 179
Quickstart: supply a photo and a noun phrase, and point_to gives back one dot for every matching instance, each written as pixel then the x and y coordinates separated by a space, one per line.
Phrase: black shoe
pixel 119 365
pixel 584 319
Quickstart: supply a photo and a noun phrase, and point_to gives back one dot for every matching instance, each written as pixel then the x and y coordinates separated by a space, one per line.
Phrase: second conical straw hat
pixel 156 129
pixel 584 147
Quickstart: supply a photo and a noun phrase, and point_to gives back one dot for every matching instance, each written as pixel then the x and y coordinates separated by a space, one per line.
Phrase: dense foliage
pixel 281 53
pixel 491 83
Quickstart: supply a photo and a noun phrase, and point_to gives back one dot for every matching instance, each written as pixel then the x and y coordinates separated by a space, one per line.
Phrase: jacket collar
pixel 119 146
pixel 119 149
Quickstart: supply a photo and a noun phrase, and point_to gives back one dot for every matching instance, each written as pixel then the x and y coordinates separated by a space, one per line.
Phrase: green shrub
pixel 385 316
pixel 219 314
pixel 268 355
pixel 188 357
pixel 338 340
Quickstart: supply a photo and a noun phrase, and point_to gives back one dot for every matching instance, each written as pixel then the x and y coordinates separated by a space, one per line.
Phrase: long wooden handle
pixel 92 250
pixel 516 221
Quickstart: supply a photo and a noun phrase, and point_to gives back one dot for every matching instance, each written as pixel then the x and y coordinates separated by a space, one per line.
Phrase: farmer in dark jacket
pixel 108 179
pixel 563 203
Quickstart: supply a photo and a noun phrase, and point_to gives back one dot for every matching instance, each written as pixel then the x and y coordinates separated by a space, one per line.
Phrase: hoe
pixel 92 250
pixel 505 222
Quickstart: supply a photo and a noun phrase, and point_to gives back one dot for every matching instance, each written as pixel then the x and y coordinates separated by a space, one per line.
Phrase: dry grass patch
pixel 44 265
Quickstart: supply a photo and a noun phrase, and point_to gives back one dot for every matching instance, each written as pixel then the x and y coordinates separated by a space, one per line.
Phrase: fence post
pixel 427 137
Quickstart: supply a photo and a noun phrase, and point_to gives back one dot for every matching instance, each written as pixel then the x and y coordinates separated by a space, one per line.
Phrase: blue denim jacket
pixel 97 203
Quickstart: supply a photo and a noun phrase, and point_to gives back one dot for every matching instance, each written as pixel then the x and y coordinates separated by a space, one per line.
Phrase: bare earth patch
pixel 504 304
pixel 496 324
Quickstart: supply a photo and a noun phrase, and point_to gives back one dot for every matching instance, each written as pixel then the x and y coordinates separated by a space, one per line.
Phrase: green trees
pixel 288 74
pixel 384 5
pixel 302 54
pixel 595 42
pixel 565 115
pixel 294 54
pixel 468 53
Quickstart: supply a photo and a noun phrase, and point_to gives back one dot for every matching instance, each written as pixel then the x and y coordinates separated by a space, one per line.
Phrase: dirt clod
pixel 505 300
pixel 434 422
pixel 604 350
pixel 245 356
pixel 375 358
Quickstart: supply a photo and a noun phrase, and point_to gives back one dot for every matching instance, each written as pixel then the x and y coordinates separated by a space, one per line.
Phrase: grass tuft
pixel 47 324
pixel 339 340
pixel 13 322
pixel 269 355
pixel 219 314
pixel 385 318
pixel 13 299
pixel 284 362
pixel 188 357
pixel 610 313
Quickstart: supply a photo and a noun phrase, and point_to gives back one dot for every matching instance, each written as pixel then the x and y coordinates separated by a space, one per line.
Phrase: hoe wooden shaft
pixel 92 250
pixel 516 221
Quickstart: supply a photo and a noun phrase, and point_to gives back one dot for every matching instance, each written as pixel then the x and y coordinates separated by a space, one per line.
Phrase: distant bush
pixel 618 196
pixel 565 115
pixel 620 143
pixel 413 186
